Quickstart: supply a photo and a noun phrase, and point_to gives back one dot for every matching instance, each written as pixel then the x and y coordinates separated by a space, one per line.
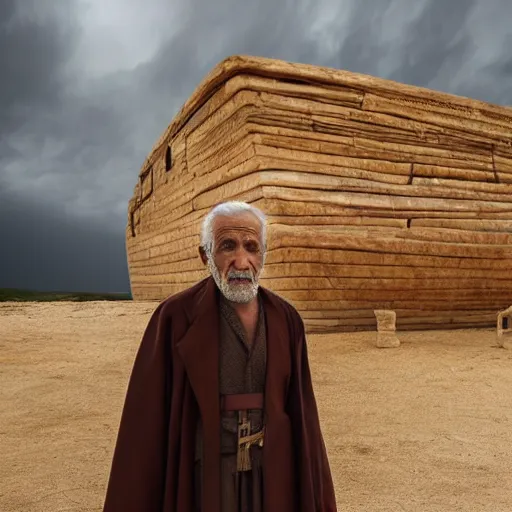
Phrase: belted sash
pixel 242 403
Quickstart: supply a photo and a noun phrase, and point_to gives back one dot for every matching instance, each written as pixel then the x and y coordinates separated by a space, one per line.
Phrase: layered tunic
pixel 242 369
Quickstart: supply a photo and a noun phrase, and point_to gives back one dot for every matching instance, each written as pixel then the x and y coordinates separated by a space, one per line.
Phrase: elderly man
pixel 220 413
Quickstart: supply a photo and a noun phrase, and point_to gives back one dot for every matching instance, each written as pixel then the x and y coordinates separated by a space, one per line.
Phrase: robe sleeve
pixel 315 485
pixel 137 475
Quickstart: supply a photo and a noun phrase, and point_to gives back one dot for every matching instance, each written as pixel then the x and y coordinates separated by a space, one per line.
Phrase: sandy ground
pixel 424 427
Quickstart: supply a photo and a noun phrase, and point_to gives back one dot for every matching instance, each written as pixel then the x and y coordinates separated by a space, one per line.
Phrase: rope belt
pixel 242 403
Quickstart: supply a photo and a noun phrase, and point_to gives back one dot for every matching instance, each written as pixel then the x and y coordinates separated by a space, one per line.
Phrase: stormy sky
pixel 87 86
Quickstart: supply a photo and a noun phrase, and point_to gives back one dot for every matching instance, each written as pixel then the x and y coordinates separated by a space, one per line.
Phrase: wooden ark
pixel 379 195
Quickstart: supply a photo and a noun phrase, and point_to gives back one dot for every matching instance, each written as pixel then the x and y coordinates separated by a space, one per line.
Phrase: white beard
pixel 239 293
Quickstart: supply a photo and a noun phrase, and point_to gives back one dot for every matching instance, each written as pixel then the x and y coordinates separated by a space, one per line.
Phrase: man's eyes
pixel 252 247
pixel 230 245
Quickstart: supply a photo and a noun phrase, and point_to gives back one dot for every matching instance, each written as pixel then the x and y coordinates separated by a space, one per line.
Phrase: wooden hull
pixel 379 195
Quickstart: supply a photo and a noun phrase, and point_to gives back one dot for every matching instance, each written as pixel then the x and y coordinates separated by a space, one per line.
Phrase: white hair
pixel 230 208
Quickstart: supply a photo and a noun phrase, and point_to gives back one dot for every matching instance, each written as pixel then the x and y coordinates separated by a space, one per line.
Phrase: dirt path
pixel 425 427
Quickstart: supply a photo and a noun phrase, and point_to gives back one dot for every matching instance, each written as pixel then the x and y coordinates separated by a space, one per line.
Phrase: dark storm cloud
pixel 210 32
pixel 82 102
pixel 32 53
pixel 31 58
pixel 439 40
pixel 42 250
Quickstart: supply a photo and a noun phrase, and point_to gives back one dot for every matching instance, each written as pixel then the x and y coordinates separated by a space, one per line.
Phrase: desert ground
pixel 424 427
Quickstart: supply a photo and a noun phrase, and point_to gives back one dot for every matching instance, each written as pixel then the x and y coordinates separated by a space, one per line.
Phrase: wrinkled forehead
pixel 245 225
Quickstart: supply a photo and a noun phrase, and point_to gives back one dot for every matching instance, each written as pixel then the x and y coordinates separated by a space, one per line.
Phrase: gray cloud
pixel 438 40
pixel 43 250
pixel 33 51
pixel 88 86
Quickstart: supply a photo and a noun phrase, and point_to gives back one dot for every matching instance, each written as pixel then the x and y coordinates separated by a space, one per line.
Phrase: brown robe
pixel 242 366
pixel 175 382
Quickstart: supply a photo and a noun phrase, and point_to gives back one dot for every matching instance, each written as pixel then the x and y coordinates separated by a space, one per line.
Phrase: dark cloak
pixel 174 382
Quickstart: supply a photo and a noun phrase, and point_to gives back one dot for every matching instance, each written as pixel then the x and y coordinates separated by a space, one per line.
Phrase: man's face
pixel 237 256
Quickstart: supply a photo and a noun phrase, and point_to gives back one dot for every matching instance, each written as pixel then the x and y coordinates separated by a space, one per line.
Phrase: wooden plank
pixel 177 277
pixel 503 162
pixel 290 179
pixel 401 314
pixel 481 295
pixel 338 120
pixel 155 292
pixel 228 136
pixel 339 274
pixel 455 236
pixel 165 248
pixel 236 108
pixel 338 315
pixel 488 188
pixel 285 236
pixel 448 117
pixel 256 84
pixel 311 282
pixel 221 128
pixel 443 318
pixel 465 175
pixel 181 199
pixel 346 328
pixel 218 177
pixel 291 148
pixel 383 202
pixel 336 220
pixel 446 326
pixel 216 100
pixel 274 206
pixel 242 163
pixel 161 218
pixel 178 197
pixel 165 265
pixel 427 99
pixel 424 154
pixel 325 324
pixel 300 253
pixel 309 141
pixel 159 225
pixel 324 94
pixel 419 303
pixel 316 183
pixel 404 324
pixel 339 163
pixel 169 262
pixel 335 116
pixel 271 119
pixel 504 178
pixel 364 170
pixel 223 155
pixel 487 225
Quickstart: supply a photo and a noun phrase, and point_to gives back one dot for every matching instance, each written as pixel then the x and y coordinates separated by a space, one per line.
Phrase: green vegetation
pixel 14 294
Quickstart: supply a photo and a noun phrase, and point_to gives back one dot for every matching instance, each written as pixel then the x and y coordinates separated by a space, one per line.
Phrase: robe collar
pixel 199 347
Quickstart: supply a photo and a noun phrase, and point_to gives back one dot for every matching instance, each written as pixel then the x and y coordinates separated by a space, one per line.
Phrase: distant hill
pixel 14 294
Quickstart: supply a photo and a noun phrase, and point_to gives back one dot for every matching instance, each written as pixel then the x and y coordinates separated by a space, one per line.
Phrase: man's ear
pixel 202 253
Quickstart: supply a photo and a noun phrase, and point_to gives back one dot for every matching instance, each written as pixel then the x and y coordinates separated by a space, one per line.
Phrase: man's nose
pixel 242 261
